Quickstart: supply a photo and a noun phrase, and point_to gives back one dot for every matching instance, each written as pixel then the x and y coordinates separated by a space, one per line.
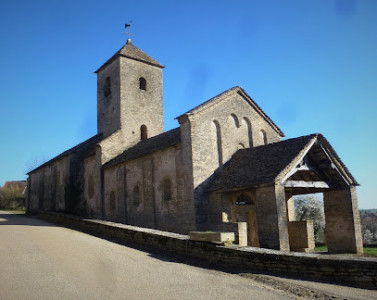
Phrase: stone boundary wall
pixel 354 271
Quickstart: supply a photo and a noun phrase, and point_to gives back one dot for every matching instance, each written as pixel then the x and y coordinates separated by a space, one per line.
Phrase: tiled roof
pixel 144 147
pixel 20 184
pixel 230 92
pixel 331 150
pixel 131 51
pixel 82 149
pixel 258 165
pixel 263 164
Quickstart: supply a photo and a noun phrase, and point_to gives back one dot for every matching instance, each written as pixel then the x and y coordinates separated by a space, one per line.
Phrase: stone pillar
pixel 272 218
pixel 343 230
pixel 291 213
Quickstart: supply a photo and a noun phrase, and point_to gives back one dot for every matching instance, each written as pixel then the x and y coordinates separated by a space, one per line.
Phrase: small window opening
pixel 143 132
pixel 142 83
pixel 166 191
pixel 107 87
pixel 112 200
pixel 244 199
pixel 136 195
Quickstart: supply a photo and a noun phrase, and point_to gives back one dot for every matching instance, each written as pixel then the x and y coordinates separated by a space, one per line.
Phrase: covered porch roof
pixel 305 164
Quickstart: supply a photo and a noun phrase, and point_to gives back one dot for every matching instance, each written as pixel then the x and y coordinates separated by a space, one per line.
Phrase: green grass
pixel 370 251
pixel 367 250
pixel 320 249
pixel 18 211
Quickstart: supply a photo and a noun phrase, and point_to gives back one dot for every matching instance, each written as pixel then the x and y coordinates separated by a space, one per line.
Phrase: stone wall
pixel 354 271
pixel 46 186
pixel 301 235
pixel 140 107
pixel 108 104
pixel 149 192
pixel 216 133
pixel 343 229
pixel 92 184
pixel 272 217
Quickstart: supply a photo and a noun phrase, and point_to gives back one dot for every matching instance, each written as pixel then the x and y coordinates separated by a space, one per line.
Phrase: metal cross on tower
pixel 128 26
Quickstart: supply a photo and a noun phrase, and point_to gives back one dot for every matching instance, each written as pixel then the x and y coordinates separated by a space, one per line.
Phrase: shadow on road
pixel 19 218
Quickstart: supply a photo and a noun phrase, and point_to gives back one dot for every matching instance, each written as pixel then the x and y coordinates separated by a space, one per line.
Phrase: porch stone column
pixel 291 213
pixel 272 218
pixel 343 230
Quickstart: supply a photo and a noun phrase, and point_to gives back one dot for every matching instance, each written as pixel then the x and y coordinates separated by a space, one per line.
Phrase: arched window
pixel 143 132
pixel 236 122
pixel 247 122
pixel 244 199
pixel 263 137
pixel 112 200
pixel 218 140
pixel 142 83
pixel 107 87
pixel 166 190
pixel 240 146
pixel 136 195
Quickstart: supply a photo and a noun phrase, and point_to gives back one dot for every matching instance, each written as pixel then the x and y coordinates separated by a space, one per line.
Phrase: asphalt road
pixel 39 260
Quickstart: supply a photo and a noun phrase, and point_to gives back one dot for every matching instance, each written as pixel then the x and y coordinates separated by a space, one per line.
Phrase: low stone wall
pixel 301 235
pixel 343 269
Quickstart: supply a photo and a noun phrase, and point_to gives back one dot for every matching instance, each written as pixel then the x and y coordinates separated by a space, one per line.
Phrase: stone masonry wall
pixel 354 271
pixel 138 188
pixel 47 186
pixel 140 107
pixel 217 132
pixel 108 105
pixel 272 217
pixel 92 184
pixel 301 235
pixel 343 232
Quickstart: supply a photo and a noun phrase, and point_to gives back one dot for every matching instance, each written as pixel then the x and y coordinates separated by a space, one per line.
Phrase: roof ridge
pixel 268 162
pixel 147 146
pixel 130 51
pixel 228 91
pixel 286 140
pixel 241 91
pixel 70 150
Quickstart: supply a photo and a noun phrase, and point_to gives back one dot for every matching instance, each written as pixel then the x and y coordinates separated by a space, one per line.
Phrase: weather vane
pixel 128 26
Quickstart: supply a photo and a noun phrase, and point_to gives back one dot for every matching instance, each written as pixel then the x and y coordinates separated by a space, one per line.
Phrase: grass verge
pixel 367 250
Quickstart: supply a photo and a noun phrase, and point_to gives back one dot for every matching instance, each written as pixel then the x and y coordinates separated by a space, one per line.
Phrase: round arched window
pixel 244 199
pixel 143 132
pixel 142 83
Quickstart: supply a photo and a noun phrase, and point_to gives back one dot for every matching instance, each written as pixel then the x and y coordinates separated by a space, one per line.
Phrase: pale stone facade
pixel 194 177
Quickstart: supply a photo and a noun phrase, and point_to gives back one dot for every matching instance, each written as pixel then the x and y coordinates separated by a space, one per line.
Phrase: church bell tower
pixel 129 95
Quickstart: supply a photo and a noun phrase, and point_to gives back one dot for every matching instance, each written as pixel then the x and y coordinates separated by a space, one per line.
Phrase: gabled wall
pixel 216 133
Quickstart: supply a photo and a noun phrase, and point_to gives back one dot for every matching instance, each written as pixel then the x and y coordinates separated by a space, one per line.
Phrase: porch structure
pixel 257 186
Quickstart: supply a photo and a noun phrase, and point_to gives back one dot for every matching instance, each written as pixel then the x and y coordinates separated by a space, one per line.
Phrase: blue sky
pixel 310 65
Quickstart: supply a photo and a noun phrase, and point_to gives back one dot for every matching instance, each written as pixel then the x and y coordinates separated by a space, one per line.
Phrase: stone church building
pixel 226 164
